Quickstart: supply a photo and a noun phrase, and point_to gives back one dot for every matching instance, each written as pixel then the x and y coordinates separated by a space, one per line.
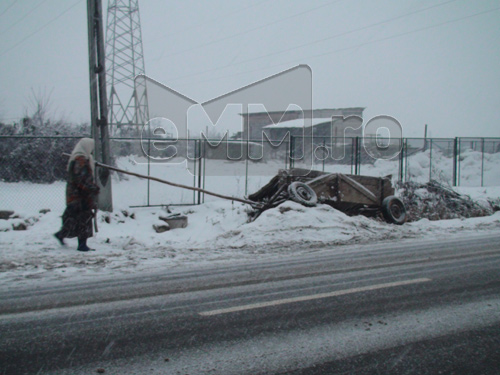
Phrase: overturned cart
pixel 353 195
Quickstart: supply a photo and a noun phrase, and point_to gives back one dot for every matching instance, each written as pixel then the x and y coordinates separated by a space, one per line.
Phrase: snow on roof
pixel 298 123
pixel 316 111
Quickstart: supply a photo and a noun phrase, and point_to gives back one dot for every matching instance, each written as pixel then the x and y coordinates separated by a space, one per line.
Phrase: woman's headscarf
pixel 85 147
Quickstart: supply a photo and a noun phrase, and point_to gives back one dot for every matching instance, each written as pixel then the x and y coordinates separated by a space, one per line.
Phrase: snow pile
pixel 435 201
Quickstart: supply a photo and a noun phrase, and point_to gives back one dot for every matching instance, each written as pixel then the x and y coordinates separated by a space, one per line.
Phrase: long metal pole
pixel 199 190
pixel 196 189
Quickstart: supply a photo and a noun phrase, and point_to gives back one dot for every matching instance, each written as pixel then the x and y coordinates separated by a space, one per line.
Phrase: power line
pixel 6 9
pixel 414 31
pixel 358 45
pixel 209 21
pixel 254 29
pixel 40 28
pixel 215 19
pixel 320 40
pixel 355 30
pixel 23 17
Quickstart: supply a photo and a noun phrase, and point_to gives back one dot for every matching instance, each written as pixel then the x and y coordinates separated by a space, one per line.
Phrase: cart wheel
pixel 302 193
pixel 394 210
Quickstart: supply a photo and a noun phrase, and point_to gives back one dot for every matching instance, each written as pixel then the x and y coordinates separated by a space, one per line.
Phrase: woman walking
pixel 81 195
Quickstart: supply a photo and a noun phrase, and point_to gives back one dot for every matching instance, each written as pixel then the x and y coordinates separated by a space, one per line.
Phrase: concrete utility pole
pixel 98 100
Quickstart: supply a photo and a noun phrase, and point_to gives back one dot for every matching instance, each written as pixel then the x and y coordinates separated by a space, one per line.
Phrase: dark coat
pixel 81 199
pixel 81 188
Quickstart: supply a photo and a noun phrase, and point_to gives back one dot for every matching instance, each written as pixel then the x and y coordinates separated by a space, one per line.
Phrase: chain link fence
pixel 33 172
pixel 154 158
pixel 33 169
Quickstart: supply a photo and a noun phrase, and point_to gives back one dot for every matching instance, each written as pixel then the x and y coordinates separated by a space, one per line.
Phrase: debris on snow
pixel 175 221
pixel 435 201
pixel 13 221
pixel 5 215
pixel 19 226
pixel 161 228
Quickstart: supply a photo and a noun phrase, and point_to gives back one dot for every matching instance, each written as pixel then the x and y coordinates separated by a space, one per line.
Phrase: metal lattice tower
pixel 128 108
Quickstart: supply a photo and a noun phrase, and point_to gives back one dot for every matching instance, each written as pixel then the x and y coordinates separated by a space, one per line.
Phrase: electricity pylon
pixel 128 106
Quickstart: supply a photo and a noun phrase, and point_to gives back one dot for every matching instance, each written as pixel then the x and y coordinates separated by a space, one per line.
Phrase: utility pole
pixel 98 100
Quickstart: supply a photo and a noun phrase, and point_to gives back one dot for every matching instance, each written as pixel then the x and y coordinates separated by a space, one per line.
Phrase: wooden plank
pixel 325 186
pixel 387 188
pixel 381 187
pixel 267 191
pixel 353 191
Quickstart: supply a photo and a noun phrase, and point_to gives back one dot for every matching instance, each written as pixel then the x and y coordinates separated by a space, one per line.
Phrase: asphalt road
pixel 414 307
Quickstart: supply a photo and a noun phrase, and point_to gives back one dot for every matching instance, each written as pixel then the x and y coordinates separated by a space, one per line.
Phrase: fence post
pixel 401 160
pixel 246 166
pixel 455 164
pixel 430 161
pixel 482 162
pixel 287 153
pixel 324 148
pixel 352 154
pixel 357 158
pixel 149 170
pixel 406 159
pixel 194 165
pixel 292 151
pixel 204 171
pixel 199 169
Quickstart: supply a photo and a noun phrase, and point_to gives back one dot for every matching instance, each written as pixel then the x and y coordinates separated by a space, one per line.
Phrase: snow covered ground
pixel 218 230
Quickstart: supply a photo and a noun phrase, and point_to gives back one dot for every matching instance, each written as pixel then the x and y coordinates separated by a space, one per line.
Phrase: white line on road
pixel 312 297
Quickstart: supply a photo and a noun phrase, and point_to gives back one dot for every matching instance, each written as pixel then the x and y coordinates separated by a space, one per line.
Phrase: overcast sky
pixel 434 62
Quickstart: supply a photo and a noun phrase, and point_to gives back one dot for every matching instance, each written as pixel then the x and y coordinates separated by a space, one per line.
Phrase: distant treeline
pixel 38 156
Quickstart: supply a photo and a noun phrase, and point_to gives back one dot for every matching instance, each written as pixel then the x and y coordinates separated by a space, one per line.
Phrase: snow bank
pixel 217 232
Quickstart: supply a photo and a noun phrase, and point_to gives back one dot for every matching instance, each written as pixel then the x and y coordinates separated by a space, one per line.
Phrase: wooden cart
pixel 354 195
pixel 348 193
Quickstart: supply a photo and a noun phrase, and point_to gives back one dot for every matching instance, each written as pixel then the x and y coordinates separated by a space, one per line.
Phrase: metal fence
pixel 33 170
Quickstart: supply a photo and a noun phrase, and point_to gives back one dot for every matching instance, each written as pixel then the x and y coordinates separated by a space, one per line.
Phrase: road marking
pixel 312 297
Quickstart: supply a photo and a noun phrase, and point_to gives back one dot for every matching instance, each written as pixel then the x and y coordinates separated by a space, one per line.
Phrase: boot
pixel 82 245
pixel 60 238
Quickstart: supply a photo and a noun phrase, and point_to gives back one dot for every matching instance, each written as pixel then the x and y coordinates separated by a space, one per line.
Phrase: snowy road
pixel 365 305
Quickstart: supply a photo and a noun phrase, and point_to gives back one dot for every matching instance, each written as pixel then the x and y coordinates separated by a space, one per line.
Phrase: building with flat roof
pixel 278 123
